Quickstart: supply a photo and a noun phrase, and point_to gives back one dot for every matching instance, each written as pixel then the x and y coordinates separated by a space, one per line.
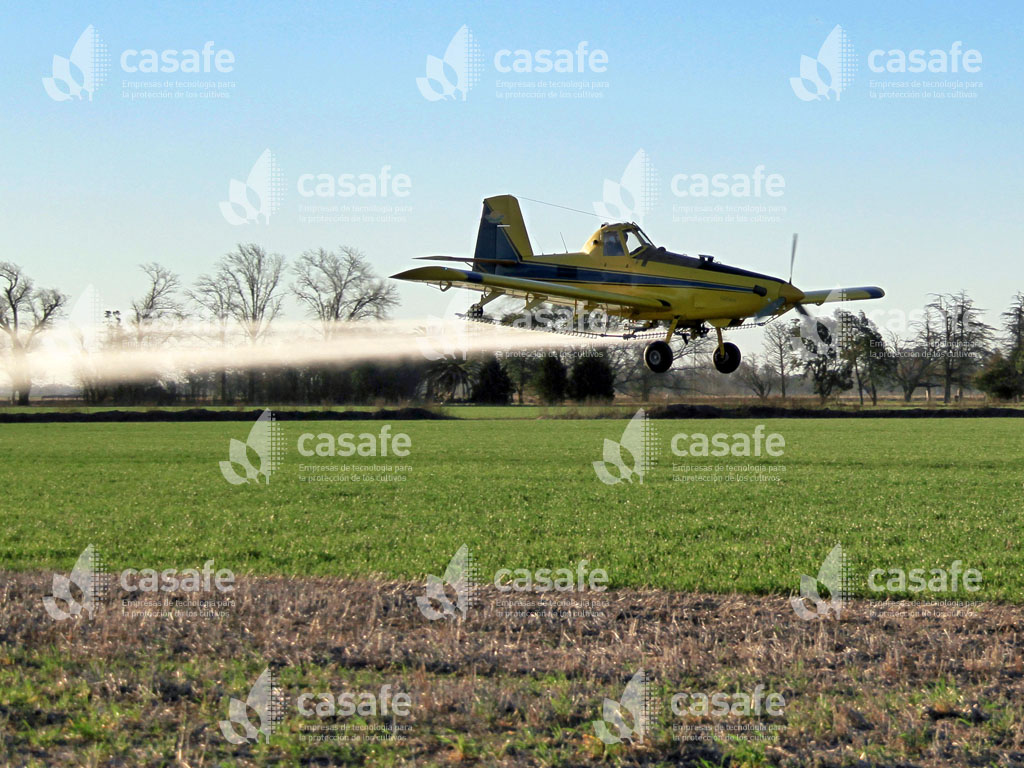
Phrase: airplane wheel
pixel 658 356
pixel 730 361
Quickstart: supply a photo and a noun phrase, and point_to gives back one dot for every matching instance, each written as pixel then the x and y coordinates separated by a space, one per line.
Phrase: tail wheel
pixel 658 356
pixel 728 362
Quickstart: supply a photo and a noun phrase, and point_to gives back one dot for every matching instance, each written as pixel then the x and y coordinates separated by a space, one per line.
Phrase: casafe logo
pixel 829 74
pixel 90 61
pixel 81 591
pixel 460 577
pixel 633 196
pixel 256 199
pixel 630 716
pixel 349 444
pixel 462 60
pixel 834 574
pixel 638 444
pixel 265 702
pixel 266 443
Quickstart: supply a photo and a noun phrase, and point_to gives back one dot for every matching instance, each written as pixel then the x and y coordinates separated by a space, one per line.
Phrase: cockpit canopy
pixel 618 240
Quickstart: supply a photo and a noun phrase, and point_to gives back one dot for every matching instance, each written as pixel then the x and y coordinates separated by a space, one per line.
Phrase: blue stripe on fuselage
pixel 549 273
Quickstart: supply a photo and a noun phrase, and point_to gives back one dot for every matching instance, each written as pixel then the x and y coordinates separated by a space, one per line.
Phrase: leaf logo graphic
pixel 83 71
pixel 258 198
pixel 835 575
pixel 817 336
pixel 632 197
pixel 637 441
pixel 444 337
pixel 836 61
pixel 264 702
pixel 266 442
pixel 462 60
pixel 629 716
pixel 461 577
pixel 89 578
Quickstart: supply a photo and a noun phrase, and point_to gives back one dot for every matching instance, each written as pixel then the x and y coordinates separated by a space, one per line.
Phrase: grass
pixel 494 690
pixel 895 493
pixel 883 684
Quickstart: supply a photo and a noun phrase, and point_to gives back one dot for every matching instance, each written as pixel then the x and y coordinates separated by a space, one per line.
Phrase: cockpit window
pixel 635 242
pixel 612 244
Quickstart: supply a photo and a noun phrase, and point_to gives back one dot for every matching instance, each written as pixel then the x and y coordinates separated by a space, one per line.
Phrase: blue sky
pixel 915 195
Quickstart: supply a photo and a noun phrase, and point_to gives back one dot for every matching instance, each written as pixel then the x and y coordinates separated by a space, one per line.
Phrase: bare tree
pixel 213 296
pixel 25 312
pixel 912 360
pixel 341 287
pixel 778 351
pixel 250 277
pixel 158 305
pixel 757 376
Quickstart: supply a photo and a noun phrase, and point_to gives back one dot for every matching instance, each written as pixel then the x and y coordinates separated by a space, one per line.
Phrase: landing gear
pixel 658 356
pixel 730 360
pixel 727 356
pixel 476 312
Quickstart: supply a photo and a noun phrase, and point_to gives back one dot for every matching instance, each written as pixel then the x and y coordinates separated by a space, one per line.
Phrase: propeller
pixel 772 307
pixel 792 259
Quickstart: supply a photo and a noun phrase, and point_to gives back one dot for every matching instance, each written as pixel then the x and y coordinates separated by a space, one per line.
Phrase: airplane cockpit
pixel 619 240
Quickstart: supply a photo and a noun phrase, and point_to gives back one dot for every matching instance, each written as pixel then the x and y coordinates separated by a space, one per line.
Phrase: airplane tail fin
pixel 502 235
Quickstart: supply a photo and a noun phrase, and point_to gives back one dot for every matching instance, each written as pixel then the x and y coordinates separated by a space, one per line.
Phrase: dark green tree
pixel 492 384
pixel 591 378
pixel 552 380
pixel 1001 379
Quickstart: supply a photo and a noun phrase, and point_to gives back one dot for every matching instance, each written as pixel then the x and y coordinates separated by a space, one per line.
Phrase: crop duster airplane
pixel 622 272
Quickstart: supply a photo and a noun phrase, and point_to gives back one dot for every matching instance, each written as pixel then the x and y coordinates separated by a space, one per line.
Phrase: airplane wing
pixel 558 293
pixel 842 294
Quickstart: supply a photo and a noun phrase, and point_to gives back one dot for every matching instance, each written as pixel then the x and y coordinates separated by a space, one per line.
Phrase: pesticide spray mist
pixel 74 355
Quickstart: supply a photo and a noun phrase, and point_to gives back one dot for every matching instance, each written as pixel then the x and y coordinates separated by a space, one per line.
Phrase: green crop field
pixel 330 567
pixel 897 493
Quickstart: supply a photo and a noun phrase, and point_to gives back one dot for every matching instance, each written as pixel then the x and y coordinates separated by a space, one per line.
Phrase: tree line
pixel 947 349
